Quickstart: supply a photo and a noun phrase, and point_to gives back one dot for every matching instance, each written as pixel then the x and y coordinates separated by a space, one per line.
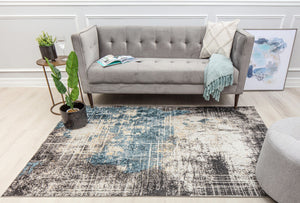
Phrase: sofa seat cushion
pixel 152 71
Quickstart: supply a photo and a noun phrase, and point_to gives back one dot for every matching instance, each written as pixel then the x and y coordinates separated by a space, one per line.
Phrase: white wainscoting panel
pixel 265 3
pixel 293 78
pixel 295 62
pixel 19 48
pixel 151 20
pixel 21 21
pixel 255 21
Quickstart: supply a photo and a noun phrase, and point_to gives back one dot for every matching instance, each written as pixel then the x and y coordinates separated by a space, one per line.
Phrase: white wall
pixel 22 21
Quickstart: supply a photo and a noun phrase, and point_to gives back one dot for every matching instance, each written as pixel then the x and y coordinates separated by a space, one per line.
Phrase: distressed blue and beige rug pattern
pixel 149 151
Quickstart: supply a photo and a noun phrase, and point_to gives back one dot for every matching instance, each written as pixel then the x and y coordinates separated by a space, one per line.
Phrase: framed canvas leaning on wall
pixel 270 58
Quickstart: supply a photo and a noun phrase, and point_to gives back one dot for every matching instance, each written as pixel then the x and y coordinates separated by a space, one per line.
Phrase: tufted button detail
pixel 156 41
pixel 141 41
pixel 188 62
pixel 171 61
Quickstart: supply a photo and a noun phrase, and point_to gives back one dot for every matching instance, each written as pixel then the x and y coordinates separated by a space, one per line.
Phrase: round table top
pixel 60 61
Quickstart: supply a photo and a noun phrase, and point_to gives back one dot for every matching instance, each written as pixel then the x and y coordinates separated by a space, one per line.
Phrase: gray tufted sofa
pixel 170 62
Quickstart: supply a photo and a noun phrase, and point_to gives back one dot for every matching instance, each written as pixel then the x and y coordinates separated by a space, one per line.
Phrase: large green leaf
pixel 72 63
pixel 74 94
pixel 59 85
pixel 72 70
pixel 54 70
pixel 69 101
pixel 73 80
pixel 53 76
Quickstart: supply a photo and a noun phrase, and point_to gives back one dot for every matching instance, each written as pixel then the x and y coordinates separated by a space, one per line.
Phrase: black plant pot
pixel 74 120
pixel 48 52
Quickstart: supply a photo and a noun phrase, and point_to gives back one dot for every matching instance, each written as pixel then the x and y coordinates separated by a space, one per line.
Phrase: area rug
pixel 149 151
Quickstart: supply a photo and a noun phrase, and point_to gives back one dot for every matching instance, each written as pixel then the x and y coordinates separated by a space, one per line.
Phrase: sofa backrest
pixel 151 41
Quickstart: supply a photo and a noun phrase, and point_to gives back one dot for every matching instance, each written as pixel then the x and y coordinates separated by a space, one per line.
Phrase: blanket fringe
pixel 217 86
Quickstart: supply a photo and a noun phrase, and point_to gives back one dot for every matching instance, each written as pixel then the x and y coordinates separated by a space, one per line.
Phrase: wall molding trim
pixel 295 17
pixel 16 17
pixel 34 17
pixel 29 70
pixel 62 69
pixel 40 82
pixel 90 16
pixel 27 82
pixel 149 2
pixel 31 77
pixel 294 69
pixel 227 17
pixel 292 82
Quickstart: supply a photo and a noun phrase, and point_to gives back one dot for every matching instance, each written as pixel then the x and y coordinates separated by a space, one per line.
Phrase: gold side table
pixel 60 61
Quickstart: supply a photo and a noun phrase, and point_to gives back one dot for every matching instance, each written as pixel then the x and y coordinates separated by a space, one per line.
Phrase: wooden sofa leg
pixel 236 100
pixel 90 99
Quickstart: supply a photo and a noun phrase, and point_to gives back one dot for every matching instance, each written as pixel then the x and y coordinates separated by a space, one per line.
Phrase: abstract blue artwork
pixel 270 59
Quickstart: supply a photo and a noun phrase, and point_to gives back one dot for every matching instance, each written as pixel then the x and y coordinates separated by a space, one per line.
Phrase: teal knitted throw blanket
pixel 218 74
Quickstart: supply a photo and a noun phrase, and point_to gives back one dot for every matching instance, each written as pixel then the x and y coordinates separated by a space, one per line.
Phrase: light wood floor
pixel 25 122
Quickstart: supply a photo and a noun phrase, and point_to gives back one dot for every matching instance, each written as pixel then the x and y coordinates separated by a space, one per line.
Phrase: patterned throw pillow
pixel 218 38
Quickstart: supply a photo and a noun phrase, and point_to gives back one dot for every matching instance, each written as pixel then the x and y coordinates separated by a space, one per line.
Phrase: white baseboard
pixel 26 82
pixel 41 82
pixel 27 77
pixel 292 82
pixel 35 78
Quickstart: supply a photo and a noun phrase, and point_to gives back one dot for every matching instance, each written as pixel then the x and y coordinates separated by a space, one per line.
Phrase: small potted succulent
pixel 47 48
pixel 73 112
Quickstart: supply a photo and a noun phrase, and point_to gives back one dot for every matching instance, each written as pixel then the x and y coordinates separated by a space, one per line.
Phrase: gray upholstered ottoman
pixel 278 166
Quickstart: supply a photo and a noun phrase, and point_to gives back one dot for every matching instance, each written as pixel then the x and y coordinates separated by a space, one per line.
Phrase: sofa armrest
pixel 86 46
pixel 240 56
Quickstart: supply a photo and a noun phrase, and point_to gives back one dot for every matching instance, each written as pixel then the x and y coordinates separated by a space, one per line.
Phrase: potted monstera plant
pixel 46 44
pixel 73 112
